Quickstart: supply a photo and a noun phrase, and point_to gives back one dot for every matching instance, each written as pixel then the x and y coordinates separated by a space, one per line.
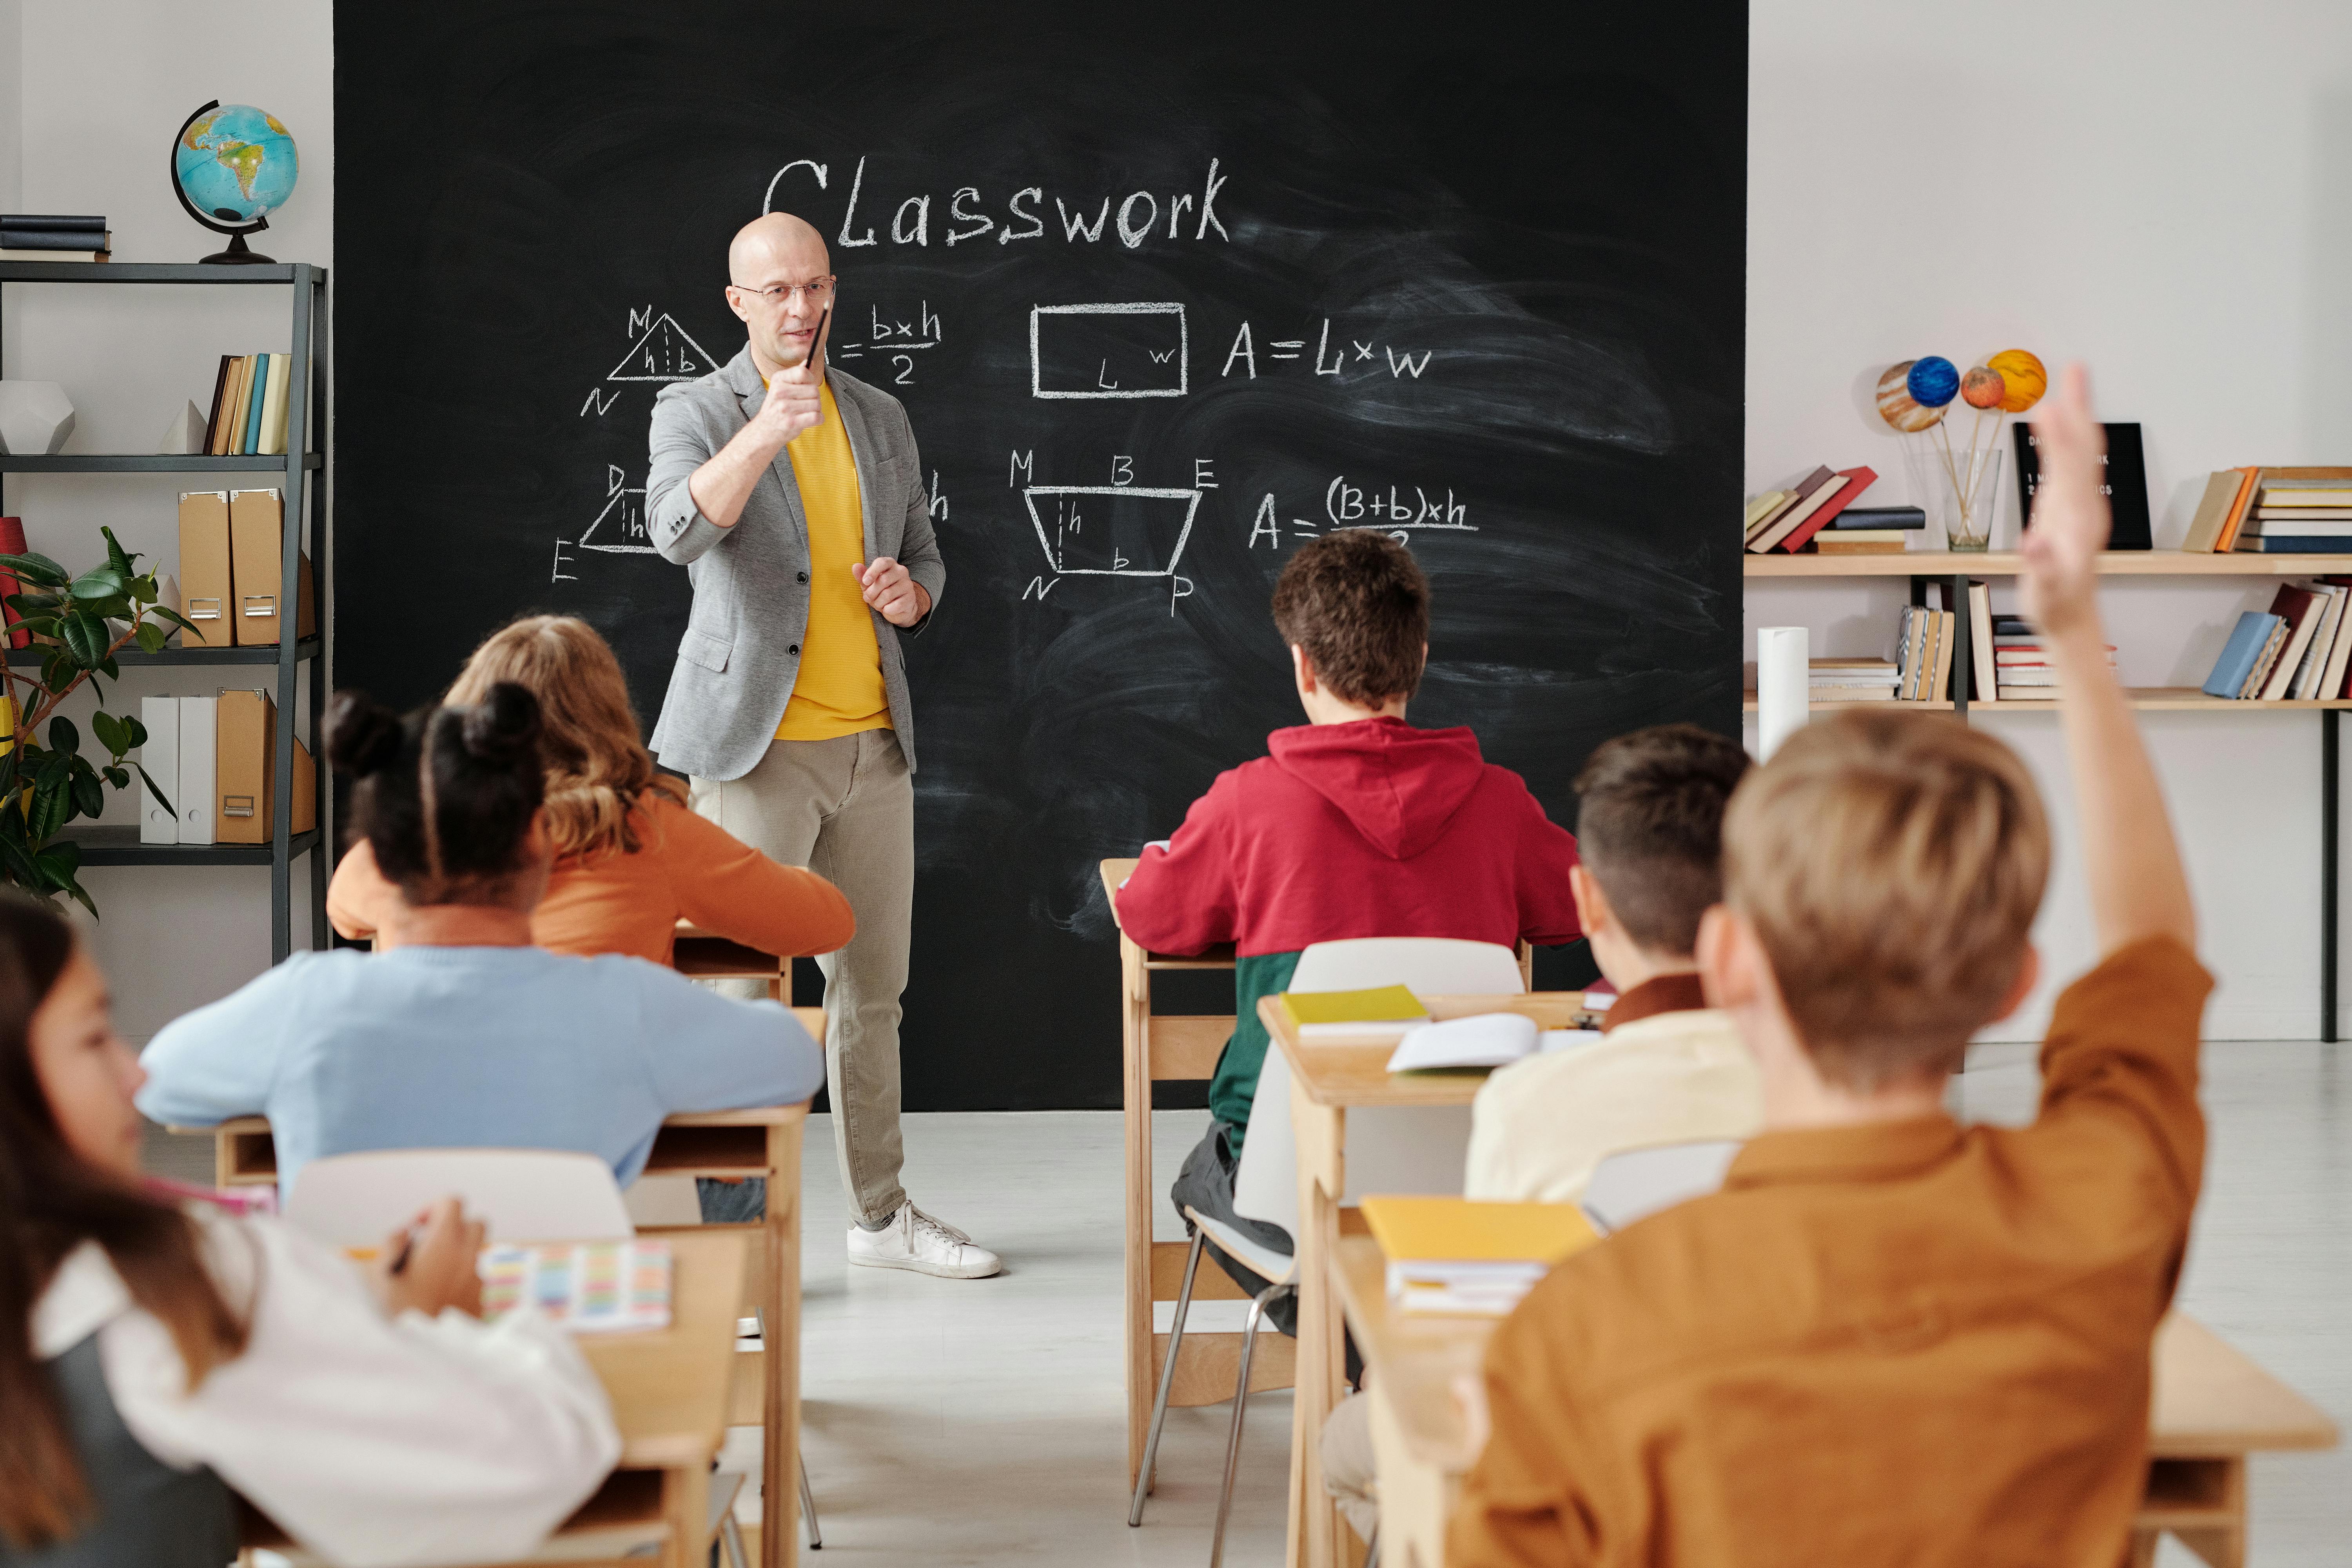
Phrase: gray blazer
pixel 742 650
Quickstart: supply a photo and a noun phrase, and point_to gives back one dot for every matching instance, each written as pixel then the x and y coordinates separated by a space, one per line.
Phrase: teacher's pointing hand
pixel 896 596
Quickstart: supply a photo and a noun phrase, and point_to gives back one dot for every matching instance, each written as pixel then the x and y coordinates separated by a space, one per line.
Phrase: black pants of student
pixel 1206 1185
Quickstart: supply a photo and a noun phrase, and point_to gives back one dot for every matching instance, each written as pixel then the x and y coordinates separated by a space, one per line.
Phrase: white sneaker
pixel 914 1240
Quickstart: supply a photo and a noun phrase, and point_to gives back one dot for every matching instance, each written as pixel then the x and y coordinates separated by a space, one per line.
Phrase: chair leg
pixel 1167 1381
pixel 1263 1300
pixel 808 1510
pixel 731 1539
pixel 1372 1549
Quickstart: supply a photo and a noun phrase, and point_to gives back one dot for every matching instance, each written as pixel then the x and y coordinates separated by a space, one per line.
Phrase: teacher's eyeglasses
pixel 818 290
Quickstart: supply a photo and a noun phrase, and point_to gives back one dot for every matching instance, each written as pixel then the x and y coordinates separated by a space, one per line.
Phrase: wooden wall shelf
pixel 2148 699
pixel 2007 563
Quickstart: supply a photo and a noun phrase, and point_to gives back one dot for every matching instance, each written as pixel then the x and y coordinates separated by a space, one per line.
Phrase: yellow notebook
pixel 1459 1258
pixel 1315 1013
pixel 1459 1230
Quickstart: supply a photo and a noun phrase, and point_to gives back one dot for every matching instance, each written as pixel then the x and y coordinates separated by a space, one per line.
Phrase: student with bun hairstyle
pixel 465 1034
pixel 154 1355
pixel 631 857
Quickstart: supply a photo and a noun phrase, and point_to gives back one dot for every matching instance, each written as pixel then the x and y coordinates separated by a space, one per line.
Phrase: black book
pixel 51 220
pixel 2125 487
pixel 54 239
pixel 1879 517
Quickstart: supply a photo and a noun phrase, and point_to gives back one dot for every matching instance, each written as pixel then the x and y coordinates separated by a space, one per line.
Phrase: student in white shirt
pixel 155 1356
pixel 1668 1067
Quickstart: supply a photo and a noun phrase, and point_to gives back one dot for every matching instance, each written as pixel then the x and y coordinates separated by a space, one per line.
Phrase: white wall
pixel 2161 188
pixel 97 89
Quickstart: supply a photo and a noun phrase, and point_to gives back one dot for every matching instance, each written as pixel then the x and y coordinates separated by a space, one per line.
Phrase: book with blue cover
pixel 2294 543
pixel 2245 649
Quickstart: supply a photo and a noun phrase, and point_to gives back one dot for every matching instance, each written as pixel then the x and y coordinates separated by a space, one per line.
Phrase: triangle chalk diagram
pixel 663 354
pixel 625 511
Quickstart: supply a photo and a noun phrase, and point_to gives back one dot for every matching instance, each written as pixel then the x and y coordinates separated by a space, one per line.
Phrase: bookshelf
pixel 303 474
pixel 1954 568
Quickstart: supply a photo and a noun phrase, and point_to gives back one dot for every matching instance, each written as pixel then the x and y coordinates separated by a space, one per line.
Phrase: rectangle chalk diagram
pixel 1129 537
pixel 1108 350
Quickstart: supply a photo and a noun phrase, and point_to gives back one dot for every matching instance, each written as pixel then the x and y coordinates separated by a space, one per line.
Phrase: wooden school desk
pixel 763 1141
pixel 2212 1407
pixel 1327 1078
pixel 1158 1047
pixel 669 1389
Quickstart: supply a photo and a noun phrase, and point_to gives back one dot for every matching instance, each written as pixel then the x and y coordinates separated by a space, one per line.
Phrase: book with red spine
pixel 1856 481
pixel 12 542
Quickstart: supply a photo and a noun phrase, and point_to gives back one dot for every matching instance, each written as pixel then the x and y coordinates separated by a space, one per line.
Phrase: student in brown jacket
pixel 1890 1338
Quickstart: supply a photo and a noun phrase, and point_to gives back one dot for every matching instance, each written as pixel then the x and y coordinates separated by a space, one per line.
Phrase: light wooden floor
pixel 977 1422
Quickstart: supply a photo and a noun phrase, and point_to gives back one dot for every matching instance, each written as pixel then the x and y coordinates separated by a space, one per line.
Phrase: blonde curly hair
pixel 598 770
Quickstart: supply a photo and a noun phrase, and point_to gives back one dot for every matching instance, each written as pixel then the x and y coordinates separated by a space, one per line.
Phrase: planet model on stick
pixel 1898 407
pixel 1983 388
pixel 2021 376
pixel 231 168
pixel 1933 381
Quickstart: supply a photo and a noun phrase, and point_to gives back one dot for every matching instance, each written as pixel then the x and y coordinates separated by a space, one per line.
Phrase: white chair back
pixel 523 1194
pixel 1390 1150
pixel 1425 965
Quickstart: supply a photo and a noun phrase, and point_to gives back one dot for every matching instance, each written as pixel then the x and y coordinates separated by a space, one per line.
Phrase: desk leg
pixel 1134 1007
pixel 1322 1346
pixel 685 1505
pixel 779 1497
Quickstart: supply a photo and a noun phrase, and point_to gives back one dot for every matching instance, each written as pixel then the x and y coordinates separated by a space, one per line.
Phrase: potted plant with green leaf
pixel 79 624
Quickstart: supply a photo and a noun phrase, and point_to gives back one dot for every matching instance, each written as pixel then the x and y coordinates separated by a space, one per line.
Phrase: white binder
pixel 161 757
pixel 199 742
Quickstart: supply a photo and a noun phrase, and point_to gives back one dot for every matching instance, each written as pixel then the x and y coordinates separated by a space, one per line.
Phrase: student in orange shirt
pixel 1890 1338
pixel 631 859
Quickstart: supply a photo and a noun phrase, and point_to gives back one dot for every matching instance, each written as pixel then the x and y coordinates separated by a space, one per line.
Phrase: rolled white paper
pixel 1783 685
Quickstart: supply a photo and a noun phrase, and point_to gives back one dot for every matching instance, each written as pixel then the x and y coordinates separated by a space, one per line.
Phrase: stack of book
pixel 1854 680
pixel 248 414
pixel 2022 671
pixel 2297 650
pixel 1459 1257
pixel 49 237
pixel 1870 530
pixel 1788 520
pixel 2275 511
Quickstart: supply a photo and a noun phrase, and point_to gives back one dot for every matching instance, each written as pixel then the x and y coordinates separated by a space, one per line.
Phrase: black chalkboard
pixel 1469 272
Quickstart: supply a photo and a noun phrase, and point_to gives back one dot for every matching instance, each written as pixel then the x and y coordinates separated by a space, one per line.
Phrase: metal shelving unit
pixel 1955 568
pixel 306 417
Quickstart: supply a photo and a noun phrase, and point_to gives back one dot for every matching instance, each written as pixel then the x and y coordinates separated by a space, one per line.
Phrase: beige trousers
pixel 1349 1473
pixel 845 808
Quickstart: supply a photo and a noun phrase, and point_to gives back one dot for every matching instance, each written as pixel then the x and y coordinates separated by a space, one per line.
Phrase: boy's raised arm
pixel 2138 887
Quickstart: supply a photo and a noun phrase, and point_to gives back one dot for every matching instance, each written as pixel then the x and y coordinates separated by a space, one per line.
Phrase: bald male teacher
pixel 792 495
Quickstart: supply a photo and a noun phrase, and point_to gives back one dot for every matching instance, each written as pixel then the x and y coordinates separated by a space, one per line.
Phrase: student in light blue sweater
pixel 465 1034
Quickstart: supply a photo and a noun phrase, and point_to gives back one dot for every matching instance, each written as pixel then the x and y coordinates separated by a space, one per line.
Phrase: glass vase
pixel 1963 488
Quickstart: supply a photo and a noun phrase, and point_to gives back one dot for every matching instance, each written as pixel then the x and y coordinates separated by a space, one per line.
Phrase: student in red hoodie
pixel 1354 825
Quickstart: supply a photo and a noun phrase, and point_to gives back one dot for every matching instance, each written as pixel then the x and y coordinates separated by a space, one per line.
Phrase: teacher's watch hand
pixel 896 596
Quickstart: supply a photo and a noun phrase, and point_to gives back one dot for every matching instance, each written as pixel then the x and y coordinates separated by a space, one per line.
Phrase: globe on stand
pixel 231 168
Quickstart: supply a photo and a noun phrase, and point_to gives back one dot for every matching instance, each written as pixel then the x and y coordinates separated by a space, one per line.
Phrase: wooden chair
pixel 1161 1047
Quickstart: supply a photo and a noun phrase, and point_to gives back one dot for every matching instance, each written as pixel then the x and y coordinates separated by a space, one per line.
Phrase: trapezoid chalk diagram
pixel 622 523
pixel 1111 530
pixel 664 352
pixel 1108 350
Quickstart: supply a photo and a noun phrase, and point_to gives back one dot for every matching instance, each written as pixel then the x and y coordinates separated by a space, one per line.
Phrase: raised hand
pixel 2059 585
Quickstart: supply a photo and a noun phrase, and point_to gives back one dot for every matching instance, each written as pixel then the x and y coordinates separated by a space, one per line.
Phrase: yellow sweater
pixel 839 689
